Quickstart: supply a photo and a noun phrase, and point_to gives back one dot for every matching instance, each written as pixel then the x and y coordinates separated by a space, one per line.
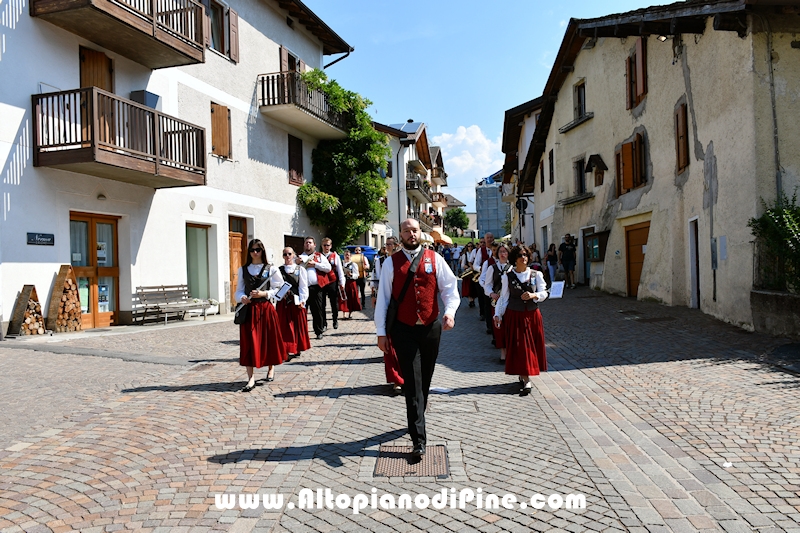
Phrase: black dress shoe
pixel 319 336
pixel 418 451
pixel 248 387
pixel 335 324
pixel 270 378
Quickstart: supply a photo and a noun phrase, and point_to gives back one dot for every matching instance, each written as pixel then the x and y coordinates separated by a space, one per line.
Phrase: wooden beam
pixel 687 25
pixel 654 28
pixel 731 22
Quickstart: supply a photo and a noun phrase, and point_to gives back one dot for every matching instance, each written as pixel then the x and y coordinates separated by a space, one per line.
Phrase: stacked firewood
pixel 69 308
pixel 33 321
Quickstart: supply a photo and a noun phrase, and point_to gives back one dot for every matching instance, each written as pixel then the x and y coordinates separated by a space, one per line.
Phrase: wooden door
pixel 94 258
pixel 636 247
pixel 237 244
pixel 96 70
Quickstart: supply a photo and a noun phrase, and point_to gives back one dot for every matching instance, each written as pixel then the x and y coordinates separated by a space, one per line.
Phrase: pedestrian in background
pixel 292 309
pixel 518 312
pixel 566 257
pixel 260 341
pixel 552 263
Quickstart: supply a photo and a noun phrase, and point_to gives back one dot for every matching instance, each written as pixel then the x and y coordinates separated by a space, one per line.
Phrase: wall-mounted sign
pixel 42 239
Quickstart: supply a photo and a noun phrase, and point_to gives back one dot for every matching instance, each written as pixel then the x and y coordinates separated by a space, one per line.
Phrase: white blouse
pixel 302 277
pixel 488 278
pixel 275 280
pixel 524 277
pixel 351 270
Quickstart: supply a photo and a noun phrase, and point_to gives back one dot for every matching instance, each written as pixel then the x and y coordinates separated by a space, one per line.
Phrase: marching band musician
pixel 517 311
pixel 492 286
pixel 292 309
pixel 390 363
pixel 351 303
pixel 260 341
pixel 335 285
pixel 316 266
pixel 488 308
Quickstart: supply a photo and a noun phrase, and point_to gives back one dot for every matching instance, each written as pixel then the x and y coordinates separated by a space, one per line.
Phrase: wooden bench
pixel 168 299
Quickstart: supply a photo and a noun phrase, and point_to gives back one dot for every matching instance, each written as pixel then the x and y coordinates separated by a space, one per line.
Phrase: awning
pixel 438 237
pixel 426 237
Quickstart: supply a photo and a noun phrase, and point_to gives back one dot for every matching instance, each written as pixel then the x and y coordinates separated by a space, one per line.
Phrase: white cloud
pixel 562 23
pixel 468 156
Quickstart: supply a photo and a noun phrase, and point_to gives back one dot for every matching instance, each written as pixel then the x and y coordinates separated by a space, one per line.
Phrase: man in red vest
pixel 335 283
pixel 417 330
pixel 317 268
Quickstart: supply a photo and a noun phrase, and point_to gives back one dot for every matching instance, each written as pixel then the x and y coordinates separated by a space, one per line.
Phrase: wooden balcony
pixel 439 176
pixel 418 189
pixel 285 97
pixel 155 33
pixel 90 131
pixel 439 199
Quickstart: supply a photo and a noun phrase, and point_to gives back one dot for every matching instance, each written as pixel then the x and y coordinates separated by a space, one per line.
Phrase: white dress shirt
pixel 476 262
pixel 323 265
pixel 337 264
pixel 352 271
pixel 445 280
pixel 524 277
pixel 275 280
pixel 302 276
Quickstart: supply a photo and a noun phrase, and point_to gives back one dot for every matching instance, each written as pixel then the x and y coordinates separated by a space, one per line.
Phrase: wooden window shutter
pixel 206 22
pixel 618 161
pixel 233 32
pixel 641 69
pixel 682 137
pixel 628 95
pixel 552 169
pixel 220 130
pixel 230 134
pixel 295 160
pixel 639 161
pixel 301 67
pixel 541 174
pixel 628 166
pixel 284 57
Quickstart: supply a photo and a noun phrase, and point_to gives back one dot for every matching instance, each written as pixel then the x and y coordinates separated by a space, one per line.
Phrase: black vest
pixel 497 277
pixel 252 283
pixel 515 290
pixel 293 280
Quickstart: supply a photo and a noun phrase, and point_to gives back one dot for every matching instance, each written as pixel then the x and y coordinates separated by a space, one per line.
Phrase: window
pixel 541 174
pixel 636 74
pixel 681 137
pixel 221 131
pixel 596 245
pixel 295 160
pixel 388 169
pixel 552 168
pixel 630 162
pixel 579 95
pixel 580 176
pixel 222 29
pixel 598 177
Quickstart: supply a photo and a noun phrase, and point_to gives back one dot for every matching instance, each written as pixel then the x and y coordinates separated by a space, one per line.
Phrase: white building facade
pixel 150 156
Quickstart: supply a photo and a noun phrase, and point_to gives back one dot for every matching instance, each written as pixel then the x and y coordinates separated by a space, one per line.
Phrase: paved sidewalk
pixel 665 419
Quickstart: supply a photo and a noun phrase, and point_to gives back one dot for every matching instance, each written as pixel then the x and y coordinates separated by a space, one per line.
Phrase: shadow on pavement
pixel 383 390
pixel 227 386
pixel 365 361
pixel 331 453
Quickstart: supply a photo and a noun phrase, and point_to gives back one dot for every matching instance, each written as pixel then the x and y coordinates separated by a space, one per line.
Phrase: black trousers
pixel 417 348
pixel 331 294
pixel 316 301
pixel 362 287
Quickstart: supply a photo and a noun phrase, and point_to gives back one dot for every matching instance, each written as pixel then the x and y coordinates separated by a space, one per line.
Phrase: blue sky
pixel 455 65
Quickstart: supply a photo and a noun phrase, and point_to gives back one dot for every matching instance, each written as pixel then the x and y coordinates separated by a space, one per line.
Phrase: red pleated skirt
pixel 351 290
pixel 466 286
pixel 392 365
pixel 260 340
pixel 294 327
pixel 524 341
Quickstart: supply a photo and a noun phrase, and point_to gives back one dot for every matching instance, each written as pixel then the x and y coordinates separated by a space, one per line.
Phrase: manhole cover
pixel 395 461
pixel 656 319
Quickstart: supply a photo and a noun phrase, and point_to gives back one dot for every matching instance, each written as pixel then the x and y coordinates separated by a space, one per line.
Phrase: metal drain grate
pixel 656 319
pixel 395 461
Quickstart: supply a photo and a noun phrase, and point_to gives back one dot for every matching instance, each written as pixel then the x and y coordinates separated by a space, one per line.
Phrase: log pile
pixel 69 308
pixel 32 321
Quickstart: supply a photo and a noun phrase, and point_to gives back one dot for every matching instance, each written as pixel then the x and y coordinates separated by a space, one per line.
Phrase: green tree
pixel 507 224
pixel 777 234
pixel 456 218
pixel 345 195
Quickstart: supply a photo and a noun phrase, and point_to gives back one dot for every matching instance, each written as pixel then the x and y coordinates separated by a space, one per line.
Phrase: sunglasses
pixel 287 254
pixel 257 250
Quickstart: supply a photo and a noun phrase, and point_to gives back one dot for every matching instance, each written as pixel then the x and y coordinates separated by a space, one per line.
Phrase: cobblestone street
pixel 664 418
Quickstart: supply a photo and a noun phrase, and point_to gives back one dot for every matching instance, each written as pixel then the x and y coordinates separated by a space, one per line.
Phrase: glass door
pixel 197 260
pixel 93 254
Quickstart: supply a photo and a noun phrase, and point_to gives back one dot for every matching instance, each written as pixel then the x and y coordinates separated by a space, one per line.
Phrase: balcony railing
pixel 155 33
pixel 418 188
pixel 439 199
pixel 95 132
pixel 281 90
pixel 439 176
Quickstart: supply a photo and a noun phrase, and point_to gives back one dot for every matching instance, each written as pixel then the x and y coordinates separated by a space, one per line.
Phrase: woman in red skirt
pixel 467 258
pixel 493 286
pixel 518 312
pixel 351 285
pixel 260 341
pixel 292 309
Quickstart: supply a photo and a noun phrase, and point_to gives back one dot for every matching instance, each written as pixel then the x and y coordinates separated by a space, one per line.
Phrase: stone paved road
pixel 643 408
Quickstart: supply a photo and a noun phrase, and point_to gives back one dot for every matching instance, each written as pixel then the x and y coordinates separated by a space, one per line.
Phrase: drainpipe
pixel 400 204
pixel 339 59
pixel 778 176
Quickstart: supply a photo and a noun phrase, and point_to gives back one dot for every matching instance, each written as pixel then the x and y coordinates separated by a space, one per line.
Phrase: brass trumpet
pixel 468 272
pixel 476 276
